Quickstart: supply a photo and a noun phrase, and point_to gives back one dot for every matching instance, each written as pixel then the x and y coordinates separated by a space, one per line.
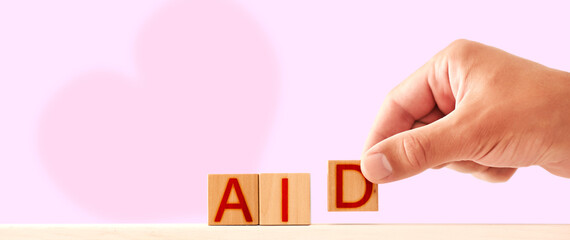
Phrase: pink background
pixel 116 111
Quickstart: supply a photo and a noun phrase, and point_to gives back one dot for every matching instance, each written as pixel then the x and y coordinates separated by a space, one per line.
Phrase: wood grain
pixel 298 199
pixel 329 232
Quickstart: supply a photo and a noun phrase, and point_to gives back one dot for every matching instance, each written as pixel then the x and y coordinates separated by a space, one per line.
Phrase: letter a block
pixel 348 190
pixel 284 199
pixel 233 199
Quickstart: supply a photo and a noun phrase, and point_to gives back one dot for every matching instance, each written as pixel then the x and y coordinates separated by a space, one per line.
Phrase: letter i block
pixel 233 199
pixel 284 199
pixel 348 190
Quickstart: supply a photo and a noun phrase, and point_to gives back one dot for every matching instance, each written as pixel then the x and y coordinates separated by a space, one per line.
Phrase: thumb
pixel 411 152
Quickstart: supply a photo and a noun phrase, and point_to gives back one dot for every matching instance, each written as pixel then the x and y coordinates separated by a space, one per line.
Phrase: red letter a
pixel 233 183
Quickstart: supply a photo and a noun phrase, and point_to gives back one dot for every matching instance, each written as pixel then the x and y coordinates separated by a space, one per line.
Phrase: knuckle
pixel 461 44
pixel 391 95
pixel 414 151
pixel 462 50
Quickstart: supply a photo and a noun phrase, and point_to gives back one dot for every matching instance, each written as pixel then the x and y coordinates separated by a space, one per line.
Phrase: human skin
pixel 475 109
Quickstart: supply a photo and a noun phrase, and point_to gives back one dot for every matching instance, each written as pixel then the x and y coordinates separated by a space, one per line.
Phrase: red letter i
pixel 285 199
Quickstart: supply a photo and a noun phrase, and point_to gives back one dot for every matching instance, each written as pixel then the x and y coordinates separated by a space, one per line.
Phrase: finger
pixel 415 98
pixel 433 116
pixel 467 167
pixel 495 175
pixel 440 166
pixel 489 174
pixel 418 124
pixel 411 152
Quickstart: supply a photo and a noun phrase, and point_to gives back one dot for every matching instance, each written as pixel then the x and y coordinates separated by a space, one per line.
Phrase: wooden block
pixel 284 199
pixel 233 199
pixel 348 190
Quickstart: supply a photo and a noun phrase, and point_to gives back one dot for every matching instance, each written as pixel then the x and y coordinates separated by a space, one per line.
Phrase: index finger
pixel 415 98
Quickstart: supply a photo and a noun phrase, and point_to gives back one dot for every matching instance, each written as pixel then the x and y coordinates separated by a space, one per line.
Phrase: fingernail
pixel 376 167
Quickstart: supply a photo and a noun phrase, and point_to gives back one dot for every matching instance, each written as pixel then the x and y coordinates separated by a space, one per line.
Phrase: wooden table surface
pixel 316 231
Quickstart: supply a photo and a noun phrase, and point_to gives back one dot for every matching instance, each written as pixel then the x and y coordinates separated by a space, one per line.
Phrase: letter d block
pixel 348 190
pixel 233 199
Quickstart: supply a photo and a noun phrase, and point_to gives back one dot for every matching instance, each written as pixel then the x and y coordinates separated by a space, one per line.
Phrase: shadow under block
pixel 233 199
pixel 348 190
pixel 284 199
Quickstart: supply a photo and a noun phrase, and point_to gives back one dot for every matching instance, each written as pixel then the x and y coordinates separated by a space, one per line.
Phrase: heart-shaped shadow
pixel 139 149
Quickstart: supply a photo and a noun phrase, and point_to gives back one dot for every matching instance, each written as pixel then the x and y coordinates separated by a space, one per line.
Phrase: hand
pixel 475 109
